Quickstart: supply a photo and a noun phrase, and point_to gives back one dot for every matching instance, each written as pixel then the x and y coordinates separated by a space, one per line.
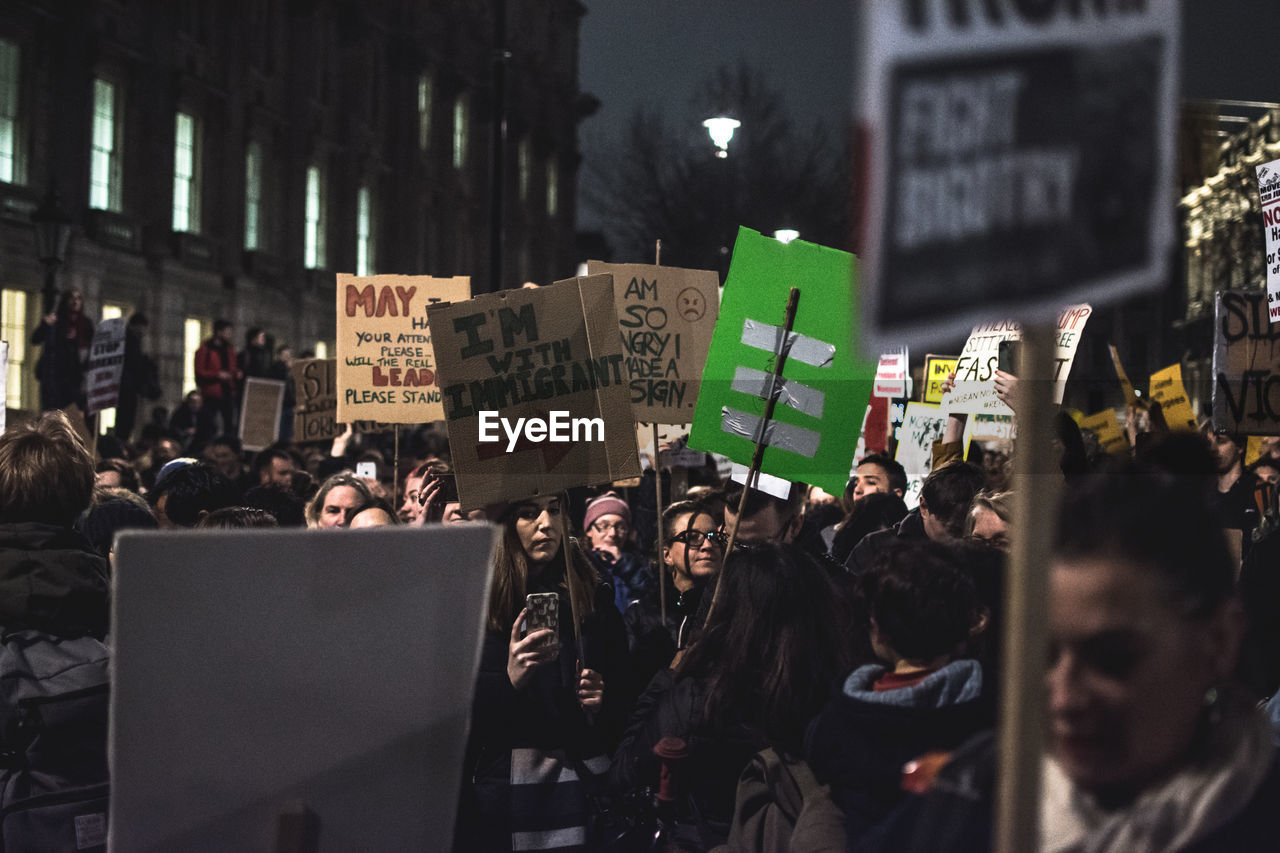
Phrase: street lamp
pixel 785 235
pixel 53 233
pixel 721 129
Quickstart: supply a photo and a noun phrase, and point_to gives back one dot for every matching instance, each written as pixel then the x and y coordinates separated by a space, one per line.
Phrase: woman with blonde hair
pixel 549 701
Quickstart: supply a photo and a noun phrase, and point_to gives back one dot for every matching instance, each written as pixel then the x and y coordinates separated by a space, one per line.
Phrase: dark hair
pixel 108 517
pixel 46 472
pixel 193 489
pixel 227 440
pixel 1075 457
pixel 1154 521
pixel 252 333
pixel 264 458
pixel 219 325
pixel 948 492
pixel 374 503
pixel 922 602
pixel 893 469
pixel 237 518
pixel 511 570
pixel 679 508
pixel 287 508
pixel 870 513
pixel 128 476
pixel 772 648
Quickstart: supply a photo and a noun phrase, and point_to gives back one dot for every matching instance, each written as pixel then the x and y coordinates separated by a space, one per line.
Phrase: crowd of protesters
pixel 828 684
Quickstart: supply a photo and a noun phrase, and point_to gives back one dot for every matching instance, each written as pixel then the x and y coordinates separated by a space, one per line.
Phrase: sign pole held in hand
pixel 657 486
pixel 753 474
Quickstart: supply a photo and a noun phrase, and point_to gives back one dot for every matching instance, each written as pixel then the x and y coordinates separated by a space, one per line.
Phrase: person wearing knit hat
pixel 607 524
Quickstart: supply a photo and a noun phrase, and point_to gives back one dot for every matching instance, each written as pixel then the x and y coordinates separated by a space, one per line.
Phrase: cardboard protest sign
pixel 535 392
pixel 4 381
pixel 1246 366
pixel 665 315
pixel 1269 195
pixel 922 425
pixel 260 413
pixel 673 440
pixel 826 382
pixel 106 362
pixel 386 370
pixel 975 390
pixel 316 409
pixel 988 427
pixel 996 185
pixel 343 681
pixel 936 370
pixel 1106 430
pixel 893 375
pixel 1167 390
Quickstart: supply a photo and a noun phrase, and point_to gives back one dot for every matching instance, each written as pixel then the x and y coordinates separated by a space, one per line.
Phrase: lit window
pixel 186 175
pixel 313 248
pixel 322 349
pixel 425 93
pixel 11 159
pixel 553 188
pixel 192 337
pixel 524 165
pixel 104 162
pixel 253 196
pixel 364 232
pixel 460 133
pixel 13 328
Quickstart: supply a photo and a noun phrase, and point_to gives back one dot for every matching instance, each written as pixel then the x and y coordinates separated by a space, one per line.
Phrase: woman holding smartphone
pixel 549 703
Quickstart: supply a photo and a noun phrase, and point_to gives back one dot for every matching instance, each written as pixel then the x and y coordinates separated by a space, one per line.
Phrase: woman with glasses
pixel 549 702
pixel 607 524
pixel 692 553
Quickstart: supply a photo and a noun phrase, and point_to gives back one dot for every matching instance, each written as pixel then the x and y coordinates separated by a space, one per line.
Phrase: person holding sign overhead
pixel 551 692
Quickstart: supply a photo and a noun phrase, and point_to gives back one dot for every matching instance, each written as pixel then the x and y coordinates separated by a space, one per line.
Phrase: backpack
pixel 54 781
pixel 773 791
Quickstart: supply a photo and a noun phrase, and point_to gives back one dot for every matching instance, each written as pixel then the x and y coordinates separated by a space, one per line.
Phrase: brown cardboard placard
pixel 260 412
pixel 316 410
pixel 386 368
pixel 666 316
pixel 541 353
pixel 1246 365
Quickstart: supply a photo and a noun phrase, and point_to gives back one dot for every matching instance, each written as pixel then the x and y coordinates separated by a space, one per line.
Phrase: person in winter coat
pixel 218 379
pixel 763 667
pixel 607 525
pixel 923 695
pixel 54 612
pixel 548 705
pixel 1150 747
pixel 64 336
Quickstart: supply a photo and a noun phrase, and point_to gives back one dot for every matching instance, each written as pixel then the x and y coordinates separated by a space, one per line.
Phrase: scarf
pixel 1214 787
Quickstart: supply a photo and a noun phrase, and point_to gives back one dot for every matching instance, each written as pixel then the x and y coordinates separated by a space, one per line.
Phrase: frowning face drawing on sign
pixel 691 304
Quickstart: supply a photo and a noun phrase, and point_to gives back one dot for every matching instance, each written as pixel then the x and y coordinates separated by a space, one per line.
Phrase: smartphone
pixel 543 612
pixel 367 470
pixel 1007 361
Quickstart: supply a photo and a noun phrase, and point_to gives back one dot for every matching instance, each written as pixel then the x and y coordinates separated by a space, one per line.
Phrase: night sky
pixel 659 51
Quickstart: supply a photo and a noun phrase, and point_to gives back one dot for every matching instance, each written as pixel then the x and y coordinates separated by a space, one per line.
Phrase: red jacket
pixel 210 361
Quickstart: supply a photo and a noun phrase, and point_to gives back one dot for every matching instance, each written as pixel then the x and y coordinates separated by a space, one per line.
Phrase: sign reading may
pixel 535 394
pixel 666 316
pixel 386 368
pixel 1021 157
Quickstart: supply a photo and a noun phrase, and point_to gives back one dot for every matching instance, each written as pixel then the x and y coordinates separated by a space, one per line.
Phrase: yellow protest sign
pixel 386 367
pixel 936 370
pixel 1106 428
pixel 1167 390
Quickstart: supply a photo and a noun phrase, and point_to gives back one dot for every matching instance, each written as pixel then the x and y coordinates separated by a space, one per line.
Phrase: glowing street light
pixel 721 129
pixel 785 235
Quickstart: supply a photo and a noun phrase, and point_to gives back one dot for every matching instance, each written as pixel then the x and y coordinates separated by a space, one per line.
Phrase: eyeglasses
pixel 695 538
pixel 609 526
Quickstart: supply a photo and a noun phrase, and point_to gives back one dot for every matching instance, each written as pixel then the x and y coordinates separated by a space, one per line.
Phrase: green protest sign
pixel 826 383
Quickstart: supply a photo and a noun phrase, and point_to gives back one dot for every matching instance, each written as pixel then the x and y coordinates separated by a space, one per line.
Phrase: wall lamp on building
pixel 53 234
pixel 721 130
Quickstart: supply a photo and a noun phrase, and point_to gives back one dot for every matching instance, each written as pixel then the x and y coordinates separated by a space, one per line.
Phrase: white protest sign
pixel 336 670
pixel 975 391
pixel 1021 156
pixel 106 362
pixel 922 425
pixel 893 375
pixel 1269 195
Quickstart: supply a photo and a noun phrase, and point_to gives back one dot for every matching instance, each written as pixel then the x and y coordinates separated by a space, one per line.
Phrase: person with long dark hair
pixel 765 664
pixel 548 702
pixel 64 335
